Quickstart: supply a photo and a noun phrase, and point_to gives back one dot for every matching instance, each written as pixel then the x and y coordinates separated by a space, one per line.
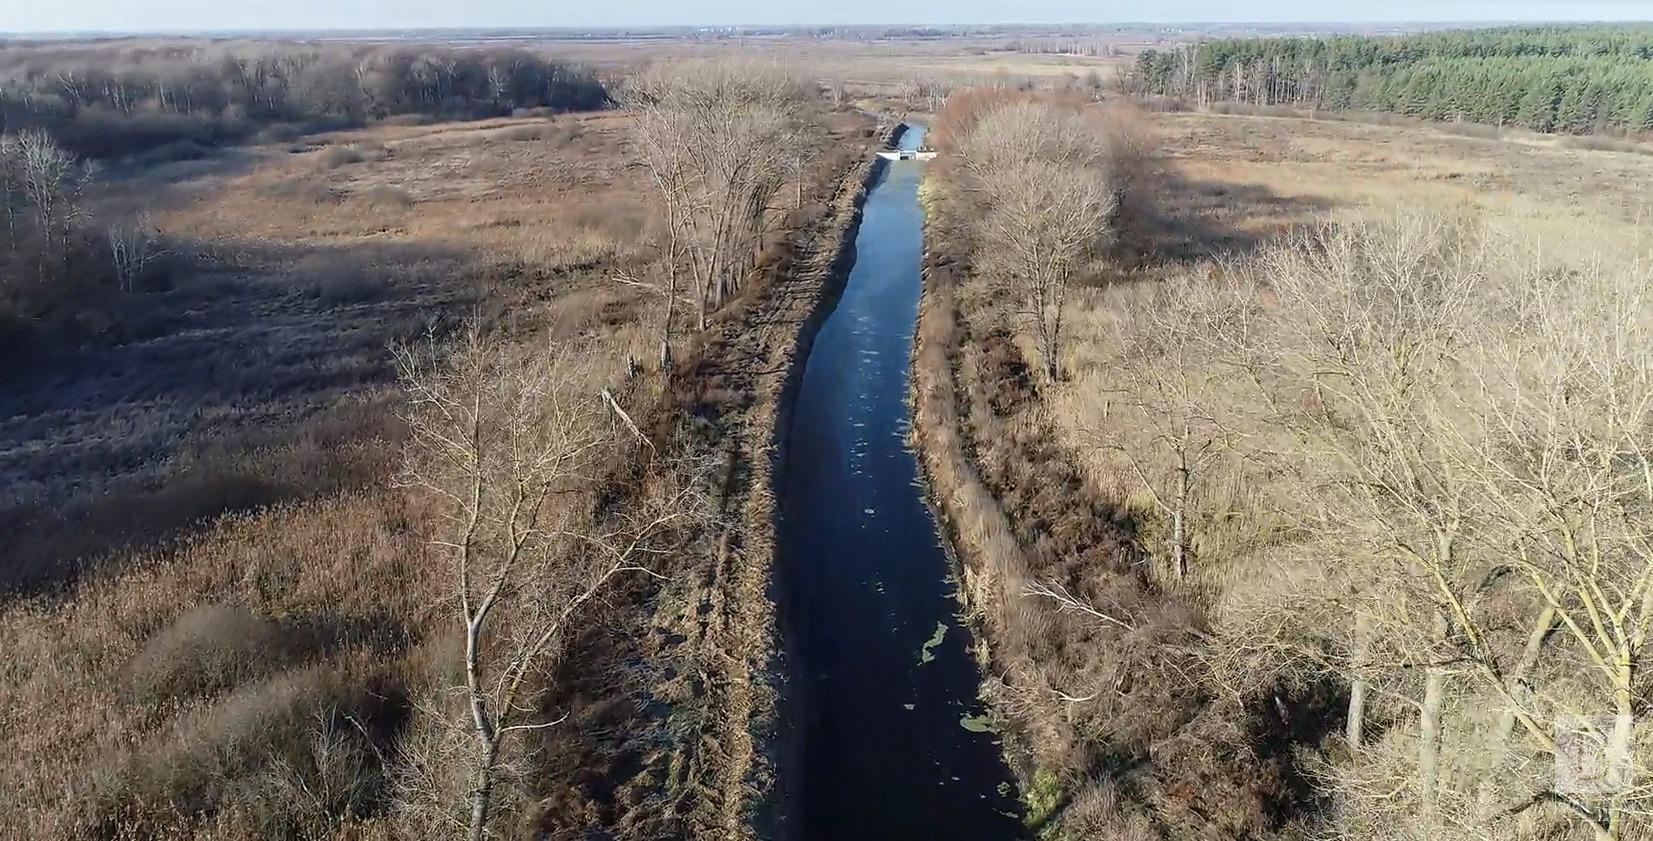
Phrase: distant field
pixel 878 63
pixel 248 365
pixel 1257 175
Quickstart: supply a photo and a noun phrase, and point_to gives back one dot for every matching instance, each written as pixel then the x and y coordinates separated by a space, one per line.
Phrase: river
pixel 888 737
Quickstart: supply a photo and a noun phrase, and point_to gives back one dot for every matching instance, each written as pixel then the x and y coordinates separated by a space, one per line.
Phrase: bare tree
pixel 53 181
pixel 1563 455
pixel 132 248
pixel 1041 172
pixel 835 92
pixel 11 185
pixel 506 444
pixel 1376 316
pixel 1472 436
pixel 1168 338
pixel 716 138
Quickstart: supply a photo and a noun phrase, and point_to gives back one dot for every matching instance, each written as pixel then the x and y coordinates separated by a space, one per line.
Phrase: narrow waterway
pixel 889 740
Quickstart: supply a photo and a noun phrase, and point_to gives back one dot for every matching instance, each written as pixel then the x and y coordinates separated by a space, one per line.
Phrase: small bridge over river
pixel 907 155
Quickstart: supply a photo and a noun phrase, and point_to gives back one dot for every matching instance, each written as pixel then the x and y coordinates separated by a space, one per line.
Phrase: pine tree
pixel 1564 78
pixel 1538 107
pixel 1573 115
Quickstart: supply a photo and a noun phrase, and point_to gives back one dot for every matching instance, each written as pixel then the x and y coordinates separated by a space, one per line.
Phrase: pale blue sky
pixel 197 15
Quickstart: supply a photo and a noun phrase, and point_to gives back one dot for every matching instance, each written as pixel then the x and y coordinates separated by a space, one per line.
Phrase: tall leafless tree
pixel 11 185
pixel 1041 172
pixel 132 248
pixel 53 182
pixel 1166 339
pixel 716 138
pixel 506 443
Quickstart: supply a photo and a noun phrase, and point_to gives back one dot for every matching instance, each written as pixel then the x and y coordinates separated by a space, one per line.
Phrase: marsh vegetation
pixel 1347 470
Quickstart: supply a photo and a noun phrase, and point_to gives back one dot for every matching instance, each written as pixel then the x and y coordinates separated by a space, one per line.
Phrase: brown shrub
pixel 211 648
pixel 958 117
pixel 289 756
pixel 1098 811
pixel 565 134
pixel 1603 143
pixel 334 157
pixel 340 278
pixel 384 196
pixel 1476 130
pixel 523 133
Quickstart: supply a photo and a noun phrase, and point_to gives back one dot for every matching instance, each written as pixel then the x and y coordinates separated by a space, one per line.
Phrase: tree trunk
pixel 1429 742
pixel 1179 542
pixel 671 310
pixel 1354 728
pixel 1517 681
pixel 481 795
pixel 63 251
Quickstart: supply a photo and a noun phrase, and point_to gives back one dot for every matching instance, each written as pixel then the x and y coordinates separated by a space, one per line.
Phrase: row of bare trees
pixel 112 102
pixel 719 140
pixel 1414 458
pixel 43 188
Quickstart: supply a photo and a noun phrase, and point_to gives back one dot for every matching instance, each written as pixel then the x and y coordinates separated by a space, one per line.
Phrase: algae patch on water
pixel 928 652
pixel 976 723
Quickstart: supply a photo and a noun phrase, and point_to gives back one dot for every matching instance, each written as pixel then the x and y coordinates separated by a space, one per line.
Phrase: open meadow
pixel 219 527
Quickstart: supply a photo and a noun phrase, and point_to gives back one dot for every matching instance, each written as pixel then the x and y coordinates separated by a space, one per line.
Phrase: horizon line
pixel 655 27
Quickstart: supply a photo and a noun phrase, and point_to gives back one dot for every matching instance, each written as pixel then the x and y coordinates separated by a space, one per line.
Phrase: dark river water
pixel 889 742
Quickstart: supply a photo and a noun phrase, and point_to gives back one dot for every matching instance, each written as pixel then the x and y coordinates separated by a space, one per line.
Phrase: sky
pixel 204 15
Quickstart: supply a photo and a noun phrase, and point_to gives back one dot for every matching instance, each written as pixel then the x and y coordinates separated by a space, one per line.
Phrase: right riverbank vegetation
pixel 1337 533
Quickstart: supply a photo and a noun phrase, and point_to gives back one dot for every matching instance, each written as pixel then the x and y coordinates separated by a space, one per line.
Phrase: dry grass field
pixel 253 371
pixel 1100 647
pixel 254 639
pixel 1228 185
pixel 224 671
pixel 889 67
pixel 1335 165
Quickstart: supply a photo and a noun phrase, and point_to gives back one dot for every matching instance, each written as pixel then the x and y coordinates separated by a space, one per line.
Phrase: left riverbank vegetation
pixel 158 100
pixel 343 498
pixel 1335 532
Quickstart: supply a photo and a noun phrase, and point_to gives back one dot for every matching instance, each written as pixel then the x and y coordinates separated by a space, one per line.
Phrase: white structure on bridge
pixel 906 155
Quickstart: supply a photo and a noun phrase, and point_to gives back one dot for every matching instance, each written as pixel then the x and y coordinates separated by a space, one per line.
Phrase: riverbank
pixel 749 364
pixel 1110 719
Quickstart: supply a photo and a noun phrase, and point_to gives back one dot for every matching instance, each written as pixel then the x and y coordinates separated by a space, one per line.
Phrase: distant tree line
pixel 110 102
pixel 1095 47
pixel 1576 80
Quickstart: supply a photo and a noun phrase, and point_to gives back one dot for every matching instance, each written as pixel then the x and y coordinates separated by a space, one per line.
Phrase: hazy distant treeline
pixel 1573 79
pixel 104 102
